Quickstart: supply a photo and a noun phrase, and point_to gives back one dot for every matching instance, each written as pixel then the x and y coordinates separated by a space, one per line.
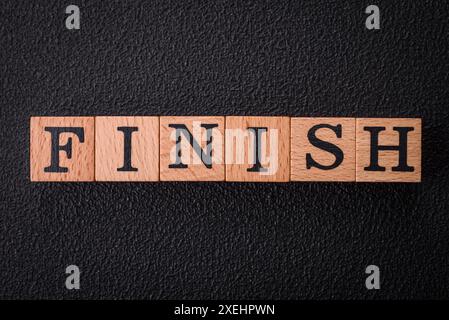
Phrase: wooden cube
pixel 388 150
pixel 258 149
pixel 127 148
pixel 322 149
pixel 62 149
pixel 191 148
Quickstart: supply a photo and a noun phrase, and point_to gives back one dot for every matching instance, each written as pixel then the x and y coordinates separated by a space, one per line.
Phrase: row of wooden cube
pixel 302 154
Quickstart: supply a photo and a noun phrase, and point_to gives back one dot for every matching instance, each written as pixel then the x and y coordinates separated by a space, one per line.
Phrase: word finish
pixel 231 148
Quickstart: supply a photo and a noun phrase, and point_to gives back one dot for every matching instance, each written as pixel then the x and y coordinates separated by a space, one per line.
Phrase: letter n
pixel 191 148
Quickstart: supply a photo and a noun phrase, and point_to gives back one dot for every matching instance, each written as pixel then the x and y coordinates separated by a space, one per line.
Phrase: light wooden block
pixel 127 148
pixel 76 136
pixel 195 168
pixel 275 149
pixel 388 159
pixel 329 154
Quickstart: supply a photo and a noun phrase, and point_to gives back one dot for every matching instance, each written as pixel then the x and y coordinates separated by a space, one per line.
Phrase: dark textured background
pixel 224 240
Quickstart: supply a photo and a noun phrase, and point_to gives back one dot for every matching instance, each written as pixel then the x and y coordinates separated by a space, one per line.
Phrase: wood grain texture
pixel 109 148
pixel 196 170
pixel 388 158
pixel 275 149
pixel 301 146
pixel 81 164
